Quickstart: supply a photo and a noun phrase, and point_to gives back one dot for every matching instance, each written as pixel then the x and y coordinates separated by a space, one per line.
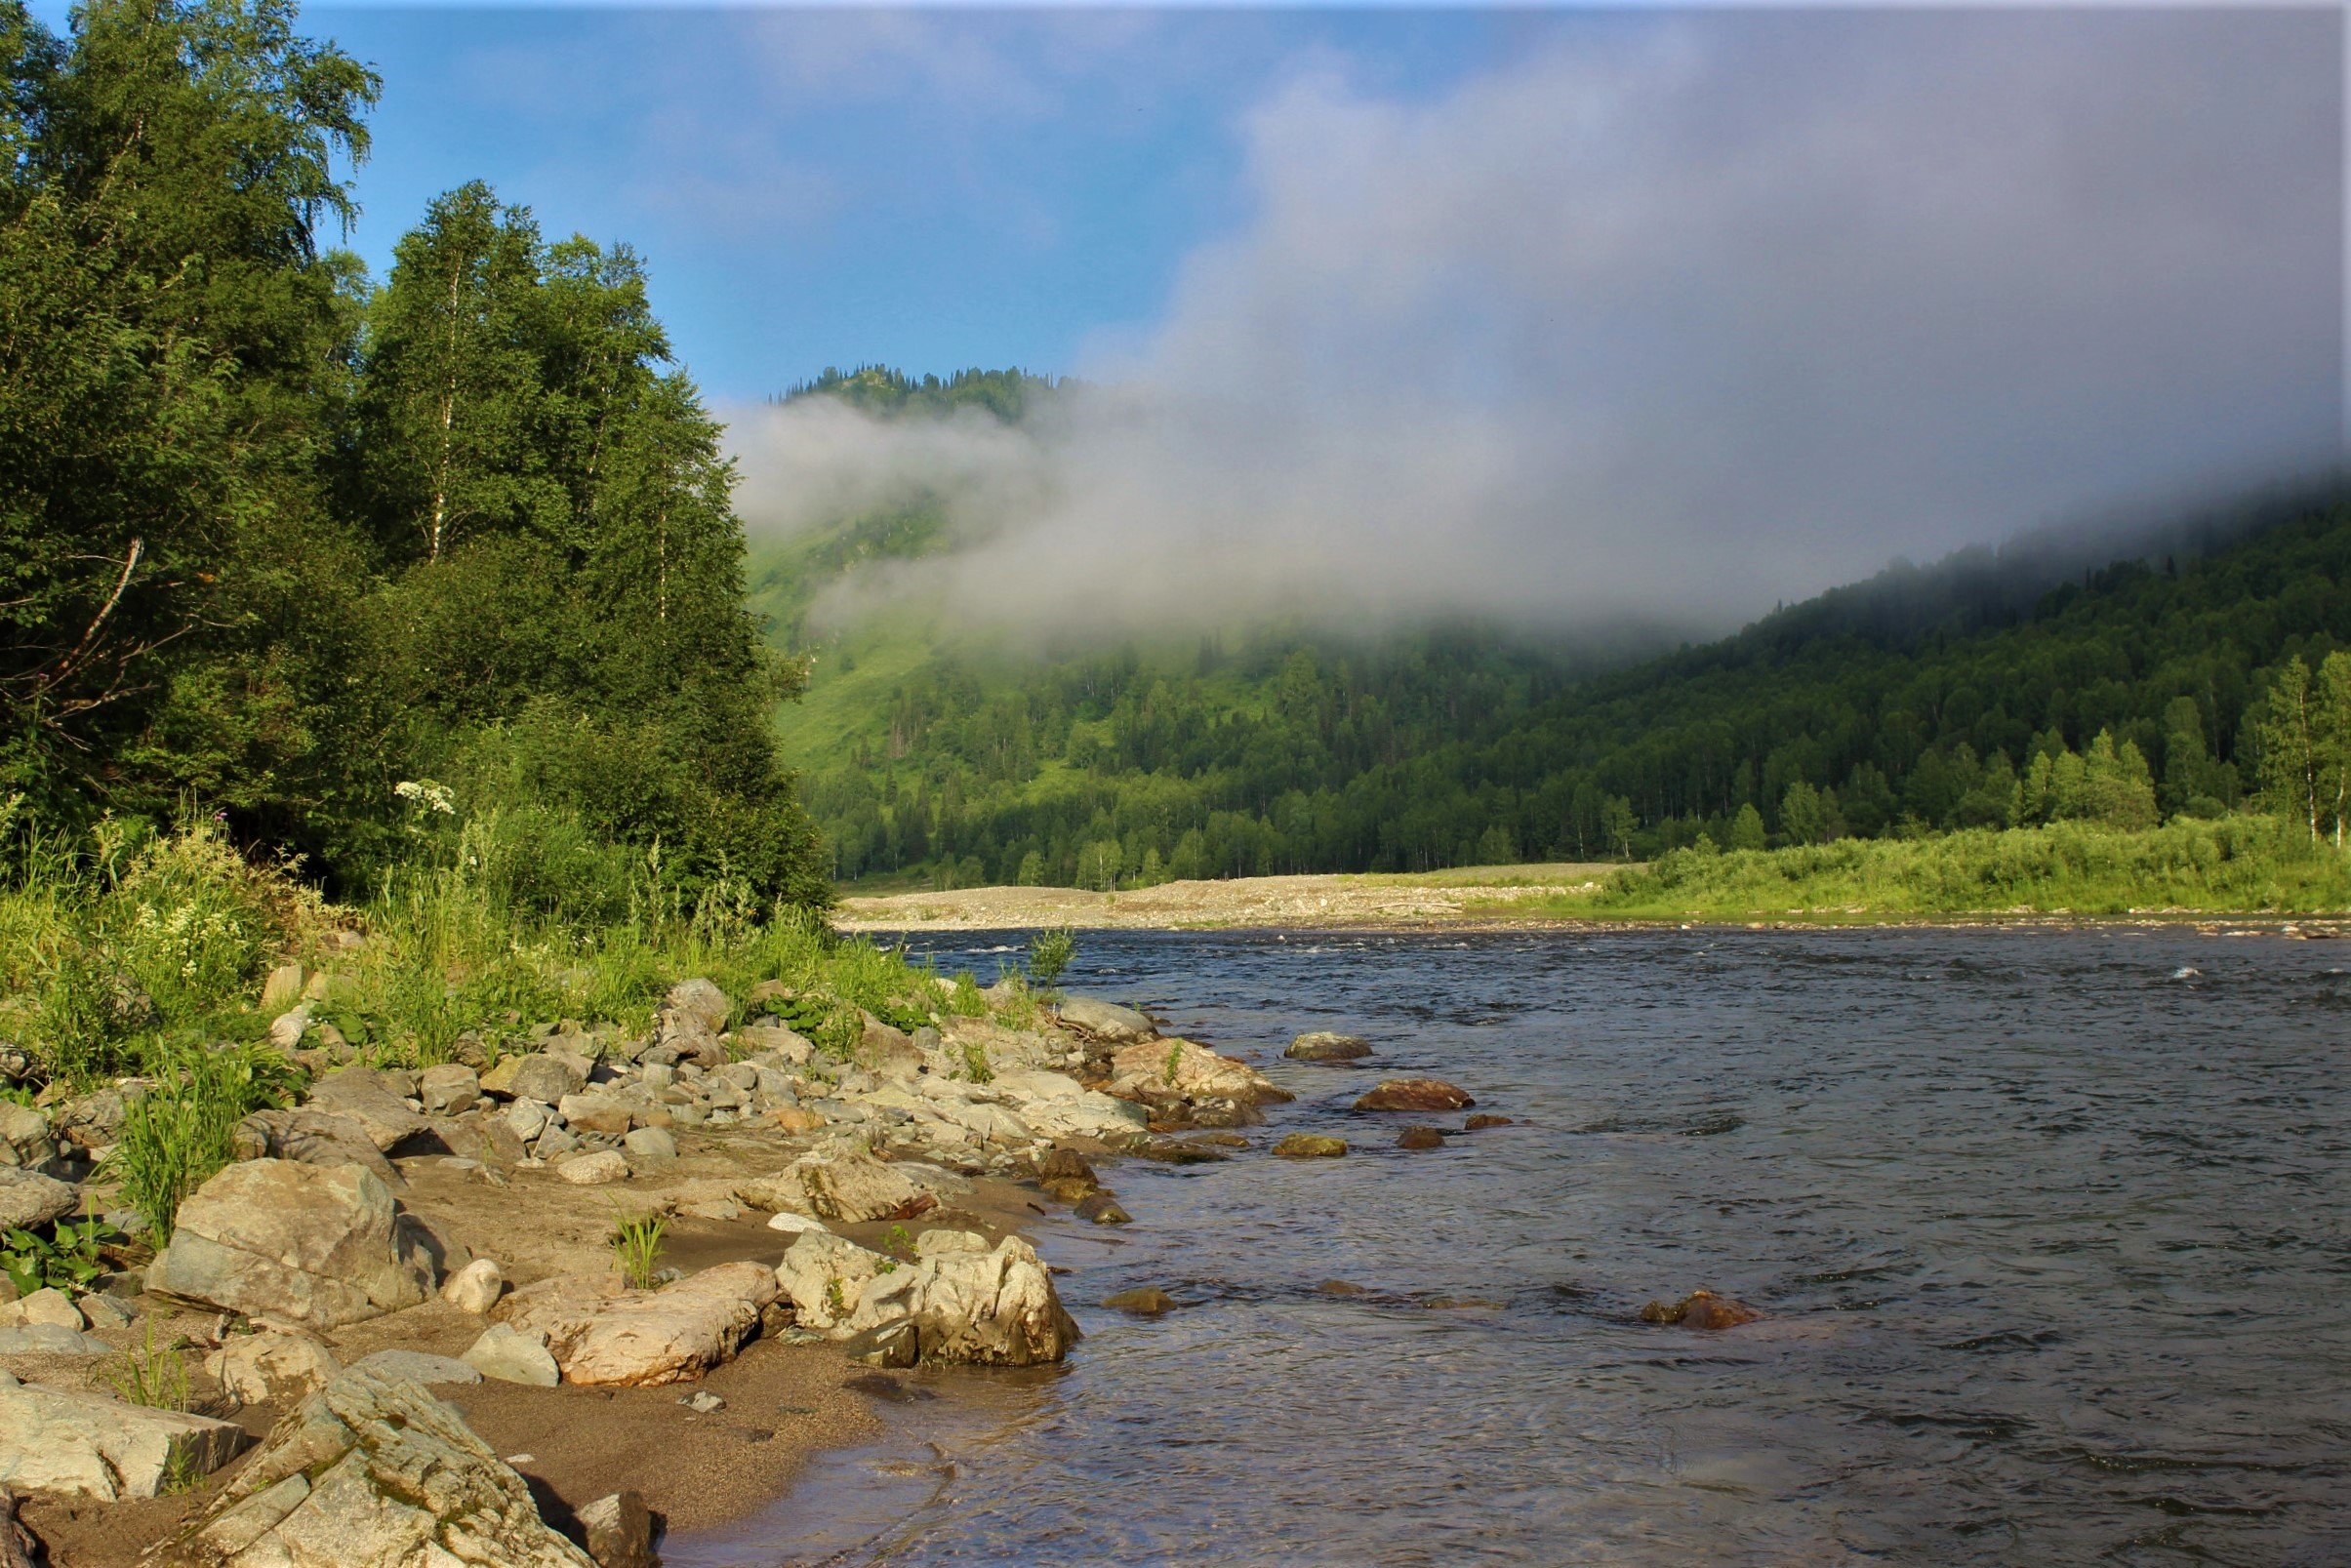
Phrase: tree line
pixel 2147 690
pixel 326 553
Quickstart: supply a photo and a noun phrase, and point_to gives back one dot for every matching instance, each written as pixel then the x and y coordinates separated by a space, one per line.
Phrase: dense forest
pixel 343 559
pixel 1978 692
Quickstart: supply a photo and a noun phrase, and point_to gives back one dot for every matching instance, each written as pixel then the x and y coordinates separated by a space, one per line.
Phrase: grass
pixel 2240 864
pixel 129 954
pixel 151 1375
pixel 636 1247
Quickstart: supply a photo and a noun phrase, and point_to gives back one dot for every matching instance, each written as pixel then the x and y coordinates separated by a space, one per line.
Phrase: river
pixel 2052 1229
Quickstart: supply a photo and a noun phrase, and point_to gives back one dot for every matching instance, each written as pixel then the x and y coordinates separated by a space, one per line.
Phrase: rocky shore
pixel 401 1331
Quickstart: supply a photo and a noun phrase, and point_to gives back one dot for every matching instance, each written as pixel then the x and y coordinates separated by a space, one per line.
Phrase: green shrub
pixel 1050 952
pixel 68 1259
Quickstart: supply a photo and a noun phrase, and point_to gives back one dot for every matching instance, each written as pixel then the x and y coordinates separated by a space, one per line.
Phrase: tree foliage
pixel 275 539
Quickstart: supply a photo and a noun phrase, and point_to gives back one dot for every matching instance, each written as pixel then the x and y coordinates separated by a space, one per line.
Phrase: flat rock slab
pixel 510 1355
pixel 371 1470
pixel 602 1334
pixel 54 1442
pixel 50 1339
pixel 310 1244
pixel 418 1366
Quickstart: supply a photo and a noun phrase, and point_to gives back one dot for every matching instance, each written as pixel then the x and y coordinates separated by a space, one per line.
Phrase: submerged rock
pixel 1415 1094
pixel 1147 1301
pixel 1098 1206
pixel 1701 1310
pixel 1482 1121
pixel 1320 1045
pixel 373 1470
pixel 1420 1137
pixel 315 1245
pixel 1310 1147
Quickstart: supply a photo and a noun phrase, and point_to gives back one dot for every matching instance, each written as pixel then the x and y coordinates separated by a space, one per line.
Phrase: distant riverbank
pixel 2241 868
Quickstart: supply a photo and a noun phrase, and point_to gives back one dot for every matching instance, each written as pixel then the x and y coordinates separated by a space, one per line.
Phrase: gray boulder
pixel 373 1470
pixel 449 1090
pixel 1324 1046
pixel 24 1137
pixel 313 1137
pixel 50 1339
pixel 539 1077
pixel 314 1245
pixel 1106 1020
pixel 364 1098
pixel 28 1199
pixel 52 1441
pixel 510 1355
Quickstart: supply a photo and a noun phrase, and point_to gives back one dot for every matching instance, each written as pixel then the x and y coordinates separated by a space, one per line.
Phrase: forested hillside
pixel 1977 691
pixel 349 560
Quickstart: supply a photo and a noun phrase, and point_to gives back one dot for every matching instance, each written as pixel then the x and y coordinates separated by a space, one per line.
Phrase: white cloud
pixel 1678 321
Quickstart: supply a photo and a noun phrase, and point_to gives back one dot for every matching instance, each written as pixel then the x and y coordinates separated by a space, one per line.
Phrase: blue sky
pixel 1557 314
pixel 928 189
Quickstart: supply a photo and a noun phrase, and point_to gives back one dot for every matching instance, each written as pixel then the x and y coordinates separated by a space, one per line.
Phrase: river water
pixel 2054 1230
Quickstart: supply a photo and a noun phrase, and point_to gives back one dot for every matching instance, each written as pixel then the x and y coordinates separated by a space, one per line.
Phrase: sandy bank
pixel 1434 899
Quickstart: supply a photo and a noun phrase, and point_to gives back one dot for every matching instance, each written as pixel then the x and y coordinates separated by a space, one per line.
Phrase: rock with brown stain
pixel 1700 1309
pixel 1414 1094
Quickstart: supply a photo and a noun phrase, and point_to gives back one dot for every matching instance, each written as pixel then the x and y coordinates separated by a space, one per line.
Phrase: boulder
pixel 28 1198
pixel 314 1245
pixel 49 1306
pixel 449 1090
pixel 1189 1072
pixel 313 1137
pixel 618 1532
pixel 1420 1137
pixel 259 1369
pixel 373 1470
pixel 287 1029
pixel 699 1000
pixel 605 1114
pixel 1414 1094
pixel 1100 1208
pixel 360 1095
pixel 600 1333
pixel 786 1044
pixel 482 1134
pixel 844 1188
pixel 283 989
pixel 536 1075
pixel 24 1137
pixel 1310 1147
pixel 594 1170
pixel 1482 1121
pixel 510 1355
pixel 1320 1045
pixel 969 1302
pixel 52 1441
pixel 650 1144
pixel 1057 1106
pixel 1700 1310
pixel 418 1366
pixel 1108 1022
pixel 475 1288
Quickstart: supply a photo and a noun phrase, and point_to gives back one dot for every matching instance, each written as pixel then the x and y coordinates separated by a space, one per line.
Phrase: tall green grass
pixel 2240 864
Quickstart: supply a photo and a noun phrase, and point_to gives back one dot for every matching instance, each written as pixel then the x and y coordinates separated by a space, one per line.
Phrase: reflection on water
pixel 2053 1228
